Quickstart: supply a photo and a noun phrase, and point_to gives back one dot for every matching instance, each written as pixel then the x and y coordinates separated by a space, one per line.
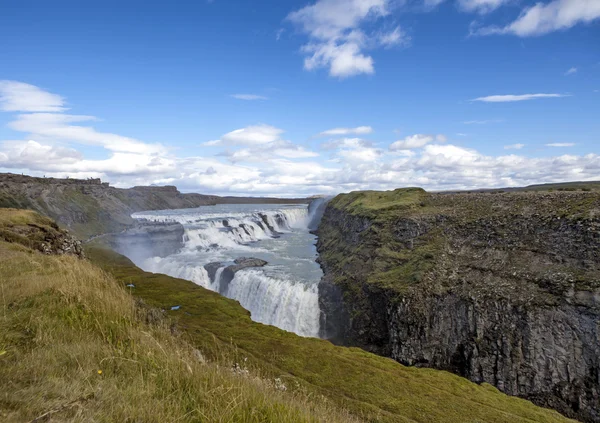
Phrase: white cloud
pixel 252 135
pixel 543 18
pixel 262 163
pixel 21 97
pixel 262 142
pixel 211 143
pixel 514 146
pixel 481 6
pixel 336 38
pixel 392 38
pixel 511 97
pixel 353 151
pixel 415 141
pixel 58 127
pixel 359 130
pixel 26 153
pixel 560 144
pixel 249 97
pixel 345 143
pixel 571 71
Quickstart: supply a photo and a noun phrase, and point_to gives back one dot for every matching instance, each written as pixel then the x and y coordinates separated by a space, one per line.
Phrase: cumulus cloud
pixel 21 97
pixel 26 153
pixel 257 161
pixel 543 18
pixel 249 97
pixel 352 150
pixel 262 142
pixel 561 144
pixel 512 97
pixel 336 40
pixel 514 146
pixel 415 141
pixel 359 130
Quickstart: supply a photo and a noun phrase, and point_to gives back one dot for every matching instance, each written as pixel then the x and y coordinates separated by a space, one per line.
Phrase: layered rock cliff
pixel 92 207
pixel 501 288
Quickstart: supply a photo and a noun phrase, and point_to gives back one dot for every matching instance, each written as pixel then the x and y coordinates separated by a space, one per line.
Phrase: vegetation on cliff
pixel 79 343
pixel 500 287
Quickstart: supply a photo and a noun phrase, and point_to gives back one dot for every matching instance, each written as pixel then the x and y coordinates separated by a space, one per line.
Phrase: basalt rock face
pixel 229 272
pixel 498 288
pixel 90 207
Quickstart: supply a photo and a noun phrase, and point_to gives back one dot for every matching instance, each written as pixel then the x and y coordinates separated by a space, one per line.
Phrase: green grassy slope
pixel 370 387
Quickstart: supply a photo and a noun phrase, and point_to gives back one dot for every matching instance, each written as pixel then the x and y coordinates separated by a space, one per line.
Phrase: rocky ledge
pixel 28 228
pixel 229 272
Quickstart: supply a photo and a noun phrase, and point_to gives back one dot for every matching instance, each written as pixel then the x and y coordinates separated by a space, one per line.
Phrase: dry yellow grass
pixel 74 347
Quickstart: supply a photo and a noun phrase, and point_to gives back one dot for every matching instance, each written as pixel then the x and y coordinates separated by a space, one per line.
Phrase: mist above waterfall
pixel 283 293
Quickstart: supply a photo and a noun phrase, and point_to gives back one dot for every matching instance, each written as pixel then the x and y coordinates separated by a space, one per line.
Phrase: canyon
pixel 497 287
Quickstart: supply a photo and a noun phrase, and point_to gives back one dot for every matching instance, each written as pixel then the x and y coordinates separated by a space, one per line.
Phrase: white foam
pixel 272 297
pixel 289 305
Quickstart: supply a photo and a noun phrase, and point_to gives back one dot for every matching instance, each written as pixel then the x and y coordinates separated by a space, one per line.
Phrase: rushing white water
pixel 284 293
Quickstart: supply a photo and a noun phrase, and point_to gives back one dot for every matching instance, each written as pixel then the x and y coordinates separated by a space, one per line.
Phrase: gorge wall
pixel 501 288
pixel 91 207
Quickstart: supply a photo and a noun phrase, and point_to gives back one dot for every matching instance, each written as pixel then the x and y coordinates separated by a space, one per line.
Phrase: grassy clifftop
pixel 77 344
pixel 394 238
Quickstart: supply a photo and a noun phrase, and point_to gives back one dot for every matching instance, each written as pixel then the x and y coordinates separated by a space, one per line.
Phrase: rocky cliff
pixel 92 207
pixel 501 288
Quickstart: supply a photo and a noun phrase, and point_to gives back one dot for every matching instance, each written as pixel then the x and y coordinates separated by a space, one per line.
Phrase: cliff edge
pixel 498 287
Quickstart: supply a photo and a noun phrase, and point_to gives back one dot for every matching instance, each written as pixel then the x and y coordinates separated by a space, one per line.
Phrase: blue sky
pixel 302 97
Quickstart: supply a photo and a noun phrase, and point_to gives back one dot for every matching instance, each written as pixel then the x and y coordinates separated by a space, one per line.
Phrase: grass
pixel 379 204
pixel 26 227
pixel 370 387
pixel 77 345
pixel 377 256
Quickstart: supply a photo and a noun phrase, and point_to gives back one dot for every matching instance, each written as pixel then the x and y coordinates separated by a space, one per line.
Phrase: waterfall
pixel 286 297
pixel 276 301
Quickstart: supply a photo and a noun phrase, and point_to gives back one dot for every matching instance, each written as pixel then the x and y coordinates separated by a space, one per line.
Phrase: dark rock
pixel 240 263
pixel 211 269
pixel 511 296
pixel 266 222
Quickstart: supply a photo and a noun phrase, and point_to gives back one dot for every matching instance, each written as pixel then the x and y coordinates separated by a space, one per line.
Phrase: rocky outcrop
pixel 229 272
pixel 90 207
pixel 240 263
pixel 498 288
pixel 31 230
